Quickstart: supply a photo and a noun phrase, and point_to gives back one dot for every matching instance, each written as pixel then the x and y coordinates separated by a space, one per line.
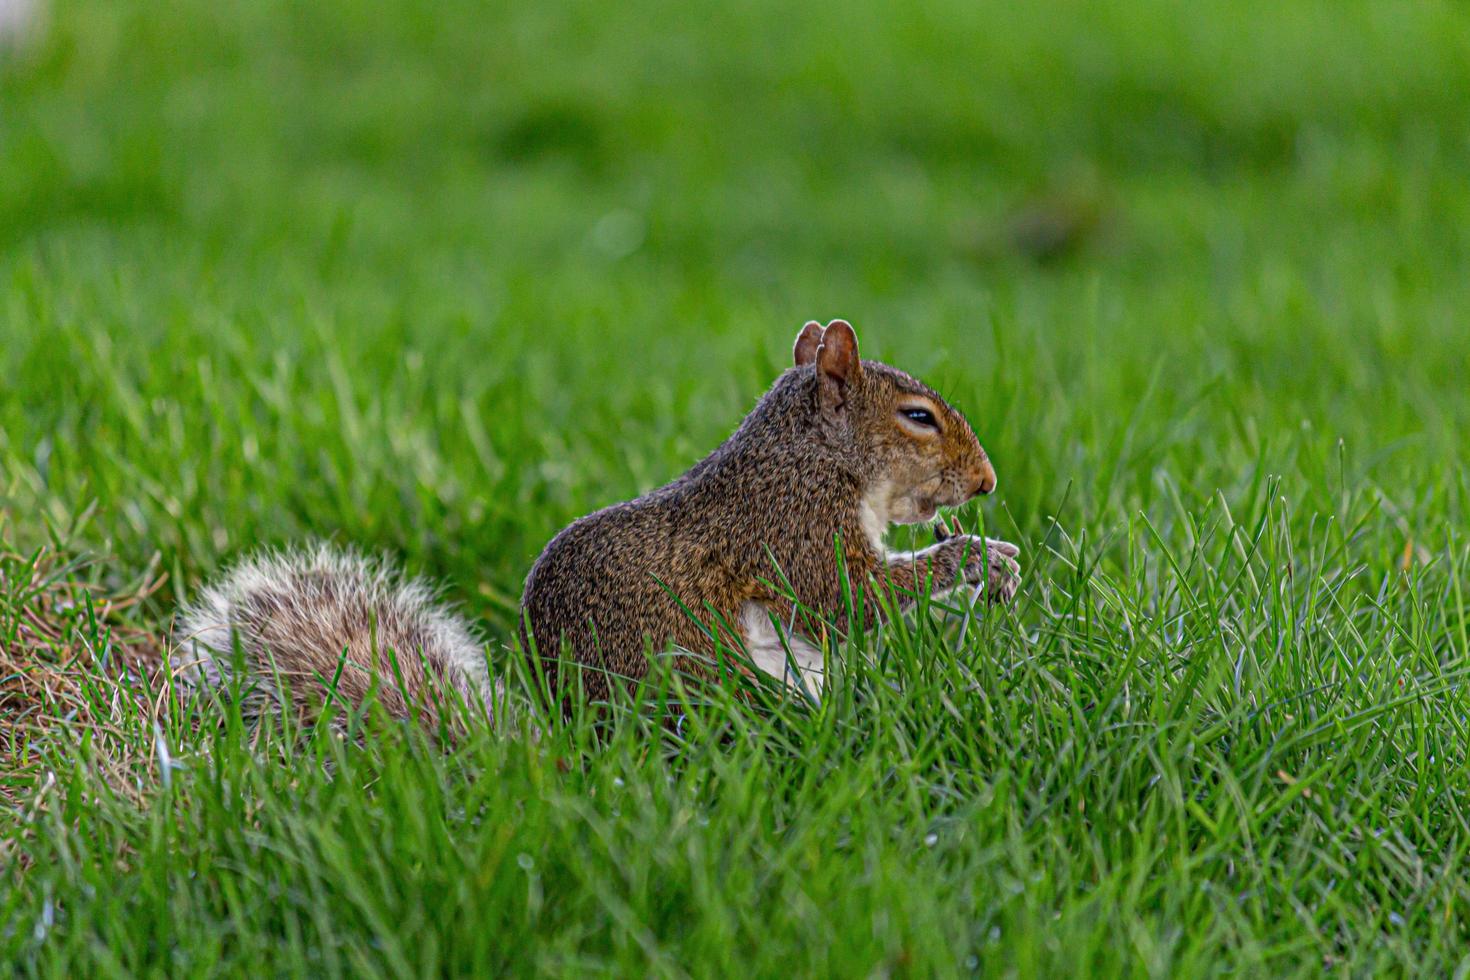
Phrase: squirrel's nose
pixel 984 480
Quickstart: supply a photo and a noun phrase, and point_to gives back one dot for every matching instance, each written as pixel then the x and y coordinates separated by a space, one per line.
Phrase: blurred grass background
pixel 443 281
pixel 439 279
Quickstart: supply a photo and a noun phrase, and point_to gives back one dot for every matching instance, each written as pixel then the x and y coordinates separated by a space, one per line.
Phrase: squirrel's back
pixel 308 619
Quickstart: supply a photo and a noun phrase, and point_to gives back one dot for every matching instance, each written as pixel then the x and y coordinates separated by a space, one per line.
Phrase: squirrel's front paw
pixel 1004 574
pixel 993 564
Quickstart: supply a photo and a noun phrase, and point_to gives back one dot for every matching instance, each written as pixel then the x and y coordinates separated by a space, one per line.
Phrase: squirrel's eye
pixel 922 416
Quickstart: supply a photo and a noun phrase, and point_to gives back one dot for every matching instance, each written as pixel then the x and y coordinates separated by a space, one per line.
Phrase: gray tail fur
pixel 307 621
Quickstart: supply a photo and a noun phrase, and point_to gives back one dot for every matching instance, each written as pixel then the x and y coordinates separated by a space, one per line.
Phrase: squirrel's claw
pixel 1005 574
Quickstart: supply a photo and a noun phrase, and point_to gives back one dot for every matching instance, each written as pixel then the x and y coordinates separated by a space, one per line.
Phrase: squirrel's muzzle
pixel 983 479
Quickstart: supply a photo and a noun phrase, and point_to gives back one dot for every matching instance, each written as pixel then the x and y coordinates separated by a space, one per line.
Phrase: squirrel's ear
pixel 807 343
pixel 837 362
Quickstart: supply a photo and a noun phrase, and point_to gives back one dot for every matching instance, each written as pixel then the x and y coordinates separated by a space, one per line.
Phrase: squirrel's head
pixel 918 451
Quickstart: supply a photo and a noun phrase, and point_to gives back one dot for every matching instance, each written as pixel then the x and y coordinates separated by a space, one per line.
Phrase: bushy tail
pixel 311 621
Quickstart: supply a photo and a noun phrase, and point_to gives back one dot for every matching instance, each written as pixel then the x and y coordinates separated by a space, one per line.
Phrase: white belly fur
pixel 764 642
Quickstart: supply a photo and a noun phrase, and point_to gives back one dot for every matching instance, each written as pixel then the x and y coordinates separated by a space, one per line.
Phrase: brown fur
pixel 766 506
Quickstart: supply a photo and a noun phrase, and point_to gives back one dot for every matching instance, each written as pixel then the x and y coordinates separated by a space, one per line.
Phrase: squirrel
pixel 836 450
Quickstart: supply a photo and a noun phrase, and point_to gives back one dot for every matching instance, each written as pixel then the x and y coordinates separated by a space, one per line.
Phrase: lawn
pixel 437 279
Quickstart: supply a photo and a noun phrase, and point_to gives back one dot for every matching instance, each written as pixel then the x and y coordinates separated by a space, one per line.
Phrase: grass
pixel 440 284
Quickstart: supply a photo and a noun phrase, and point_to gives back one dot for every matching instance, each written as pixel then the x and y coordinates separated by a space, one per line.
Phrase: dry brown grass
pixel 74 664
